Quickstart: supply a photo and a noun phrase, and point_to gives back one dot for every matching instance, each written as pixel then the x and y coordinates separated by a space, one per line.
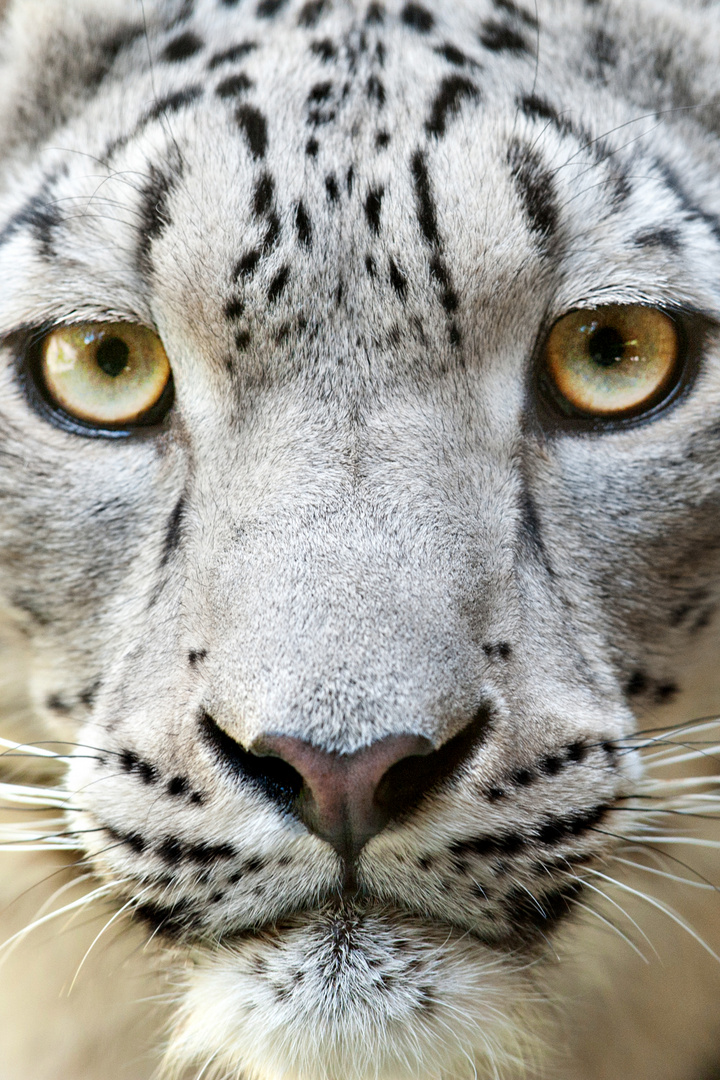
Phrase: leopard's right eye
pixel 108 375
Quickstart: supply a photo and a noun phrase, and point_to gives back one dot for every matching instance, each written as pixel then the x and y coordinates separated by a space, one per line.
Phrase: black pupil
pixel 112 356
pixel 606 346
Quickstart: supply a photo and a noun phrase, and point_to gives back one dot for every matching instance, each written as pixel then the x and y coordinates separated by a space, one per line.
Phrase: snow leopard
pixel 359 539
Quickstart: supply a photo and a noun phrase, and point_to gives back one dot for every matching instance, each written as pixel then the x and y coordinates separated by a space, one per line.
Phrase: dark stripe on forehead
pixel 310 13
pixel 512 9
pixel 452 92
pixel 500 37
pixel 266 9
pixel 40 215
pixel 163 107
pixel 154 217
pixel 534 185
pixel 230 55
pixel 253 125
pixel 427 214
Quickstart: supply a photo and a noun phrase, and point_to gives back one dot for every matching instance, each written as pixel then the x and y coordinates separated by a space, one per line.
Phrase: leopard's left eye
pixel 612 361
pixel 106 374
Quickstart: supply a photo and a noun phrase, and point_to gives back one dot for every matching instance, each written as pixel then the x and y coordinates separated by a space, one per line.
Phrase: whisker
pixel 664 908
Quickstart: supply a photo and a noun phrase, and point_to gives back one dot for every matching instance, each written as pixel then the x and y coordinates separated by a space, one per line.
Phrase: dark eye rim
pixel 27 347
pixel 555 412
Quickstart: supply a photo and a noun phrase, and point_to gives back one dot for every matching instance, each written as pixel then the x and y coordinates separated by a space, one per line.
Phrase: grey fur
pixel 352 232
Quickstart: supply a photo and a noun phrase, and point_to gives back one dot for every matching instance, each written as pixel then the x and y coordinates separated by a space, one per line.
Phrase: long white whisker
pixel 660 907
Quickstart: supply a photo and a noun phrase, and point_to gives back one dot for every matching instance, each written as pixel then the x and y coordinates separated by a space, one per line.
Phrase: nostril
pixel 407 782
pixel 277 778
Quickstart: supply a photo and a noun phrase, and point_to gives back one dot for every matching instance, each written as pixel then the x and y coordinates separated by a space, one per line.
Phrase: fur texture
pixel 352 226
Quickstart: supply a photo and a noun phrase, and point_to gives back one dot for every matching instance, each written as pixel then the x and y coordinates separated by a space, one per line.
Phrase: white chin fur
pixel 340 997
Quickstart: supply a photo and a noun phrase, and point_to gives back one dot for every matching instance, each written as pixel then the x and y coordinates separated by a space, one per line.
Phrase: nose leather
pixel 339 799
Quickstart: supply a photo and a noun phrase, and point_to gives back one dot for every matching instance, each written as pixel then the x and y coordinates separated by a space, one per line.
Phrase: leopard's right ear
pixel 55 53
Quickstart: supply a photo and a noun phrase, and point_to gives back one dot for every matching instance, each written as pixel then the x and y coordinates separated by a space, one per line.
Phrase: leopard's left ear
pixel 55 53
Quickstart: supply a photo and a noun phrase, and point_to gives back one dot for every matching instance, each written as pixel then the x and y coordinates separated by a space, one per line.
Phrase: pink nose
pixel 347 798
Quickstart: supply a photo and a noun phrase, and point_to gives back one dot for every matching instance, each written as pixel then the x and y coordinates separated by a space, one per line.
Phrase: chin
pixel 338 995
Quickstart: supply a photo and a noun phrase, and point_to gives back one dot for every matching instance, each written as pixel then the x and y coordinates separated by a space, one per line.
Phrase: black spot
pixel 263 195
pixel 311 147
pixel 453 91
pixel 128 760
pixel 233 86
pixel 375 91
pixel 320 92
pixel 247 263
pixel 147 772
pixel 173 103
pixel 169 921
pixel 454 334
pixel 196 655
pixel 398 279
pixel 173 530
pixel 339 292
pixel 278 283
pixel 537 108
pixel 272 232
pixel 229 56
pixel 209 853
pixel 171 850
pixel 417 17
pixel 373 206
pixel 637 684
pixel 108 51
pixel 667 238
pixel 242 339
pixel 448 296
pixel 495 794
pixel 370 265
pixel 135 842
pixel 382 139
pixel 303 225
pixel 452 54
pixel 154 216
pixel 525 910
pixel 310 13
pixel 350 179
pixel 512 9
pixel 267 8
pixel 234 308
pixel 501 650
pixel 88 695
pixel 178 785
pixel 254 865
pixel 182 46
pixel 499 37
pixel 522 777
pixel 535 188
pixel 331 187
pixel 56 703
pixel 665 692
pixel 577 752
pixel 254 126
pixel 325 49
pixel 375 14
pixel 551 764
pixel 426 212
pixel 557 829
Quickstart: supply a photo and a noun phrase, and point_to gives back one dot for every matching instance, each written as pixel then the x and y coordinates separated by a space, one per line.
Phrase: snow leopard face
pixel 352 625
